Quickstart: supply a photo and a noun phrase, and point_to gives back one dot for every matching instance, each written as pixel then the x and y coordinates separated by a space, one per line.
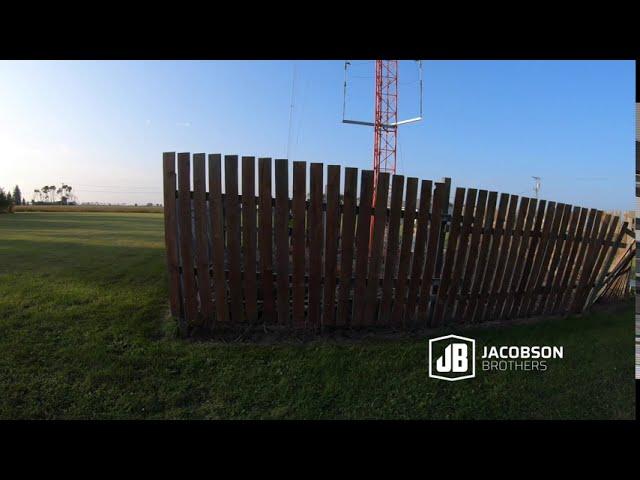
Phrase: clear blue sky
pixel 103 125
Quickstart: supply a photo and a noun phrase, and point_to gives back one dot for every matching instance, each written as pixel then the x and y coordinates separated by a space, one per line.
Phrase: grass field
pixel 84 334
pixel 88 208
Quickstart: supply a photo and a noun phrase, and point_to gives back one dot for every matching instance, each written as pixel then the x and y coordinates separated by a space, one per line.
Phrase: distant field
pixel 84 334
pixel 87 208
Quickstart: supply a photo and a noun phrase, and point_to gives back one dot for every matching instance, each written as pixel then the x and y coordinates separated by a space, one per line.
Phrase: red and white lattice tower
pixel 385 124
pixel 385 128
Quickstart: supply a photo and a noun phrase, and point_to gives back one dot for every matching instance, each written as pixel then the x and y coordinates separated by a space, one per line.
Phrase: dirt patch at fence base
pixel 284 335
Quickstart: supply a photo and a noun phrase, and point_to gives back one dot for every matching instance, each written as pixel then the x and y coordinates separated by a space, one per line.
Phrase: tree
pixel 6 202
pixel 49 192
pixel 65 193
pixel 17 195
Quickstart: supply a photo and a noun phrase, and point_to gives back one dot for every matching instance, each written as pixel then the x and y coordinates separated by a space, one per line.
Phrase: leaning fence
pixel 394 254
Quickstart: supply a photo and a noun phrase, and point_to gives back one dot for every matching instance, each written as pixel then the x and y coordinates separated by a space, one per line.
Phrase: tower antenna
pixel 385 124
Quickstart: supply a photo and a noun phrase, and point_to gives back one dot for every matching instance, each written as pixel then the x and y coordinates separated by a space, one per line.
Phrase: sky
pixel 101 126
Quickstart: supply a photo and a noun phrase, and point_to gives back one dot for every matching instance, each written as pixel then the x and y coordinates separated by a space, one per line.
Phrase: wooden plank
pixel 375 253
pixel 609 261
pixel 315 232
pixel 449 259
pixel 549 272
pixel 519 272
pixel 601 244
pixel 202 242
pixel 608 245
pixel 551 220
pixel 446 181
pixel 625 285
pixel 216 224
pixel 497 238
pixel 418 251
pixel 597 271
pixel 584 263
pixel 408 223
pixel 393 240
pixel 594 247
pixel 171 232
pixel 249 232
pixel 282 240
pixel 502 256
pixel 347 234
pixel 567 245
pixel 362 246
pixel 265 239
pixel 482 253
pixel 299 241
pixel 622 261
pixel 583 243
pixel 571 261
pixel 434 250
pixel 186 239
pixel 502 272
pixel 455 284
pixel 523 283
pixel 331 247
pixel 470 267
pixel 232 219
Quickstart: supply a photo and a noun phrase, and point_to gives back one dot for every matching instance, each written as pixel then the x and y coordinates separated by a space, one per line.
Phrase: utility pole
pixel 537 184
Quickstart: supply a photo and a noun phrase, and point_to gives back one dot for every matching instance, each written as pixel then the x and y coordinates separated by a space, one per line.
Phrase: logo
pixel 452 357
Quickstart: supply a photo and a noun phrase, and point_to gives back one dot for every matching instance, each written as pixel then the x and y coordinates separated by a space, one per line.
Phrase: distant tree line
pixel 52 195
pixel 8 201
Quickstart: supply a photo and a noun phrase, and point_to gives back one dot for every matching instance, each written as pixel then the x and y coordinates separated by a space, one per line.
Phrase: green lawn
pixel 84 333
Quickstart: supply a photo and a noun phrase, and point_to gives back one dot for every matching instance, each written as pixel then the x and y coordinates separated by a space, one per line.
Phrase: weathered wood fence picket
pixel 308 260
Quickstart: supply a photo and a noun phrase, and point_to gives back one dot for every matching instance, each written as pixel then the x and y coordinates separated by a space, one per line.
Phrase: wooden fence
pixel 330 257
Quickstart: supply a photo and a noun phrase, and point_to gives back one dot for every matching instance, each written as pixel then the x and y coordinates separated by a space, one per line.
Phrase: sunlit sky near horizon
pixel 102 126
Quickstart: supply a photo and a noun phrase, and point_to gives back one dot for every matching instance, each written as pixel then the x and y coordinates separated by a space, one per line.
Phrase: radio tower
pixel 385 129
pixel 385 124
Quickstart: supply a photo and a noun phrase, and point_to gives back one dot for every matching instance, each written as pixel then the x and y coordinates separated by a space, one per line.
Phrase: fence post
pixel 171 238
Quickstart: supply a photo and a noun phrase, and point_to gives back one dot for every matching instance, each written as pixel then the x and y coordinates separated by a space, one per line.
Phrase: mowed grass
pixel 88 208
pixel 84 334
